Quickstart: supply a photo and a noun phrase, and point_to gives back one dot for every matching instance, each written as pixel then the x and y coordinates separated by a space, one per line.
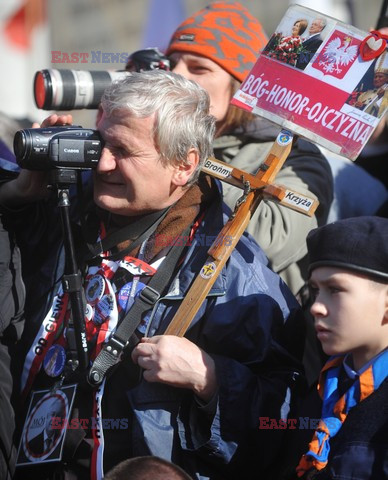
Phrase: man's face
pixel 209 75
pixel 130 178
pixel 315 27
pixel 349 313
pixel 54 412
pixel 380 79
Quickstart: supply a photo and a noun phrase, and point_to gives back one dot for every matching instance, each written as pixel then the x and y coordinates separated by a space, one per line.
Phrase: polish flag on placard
pixel 340 52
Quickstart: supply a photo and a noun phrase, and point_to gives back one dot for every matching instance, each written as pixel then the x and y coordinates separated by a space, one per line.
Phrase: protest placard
pixel 320 78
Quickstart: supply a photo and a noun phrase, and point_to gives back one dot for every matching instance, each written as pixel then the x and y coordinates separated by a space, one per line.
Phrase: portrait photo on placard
pixel 321 79
pixel 298 37
pixel 371 93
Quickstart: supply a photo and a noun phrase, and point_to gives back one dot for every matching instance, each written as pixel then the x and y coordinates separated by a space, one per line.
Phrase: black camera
pixel 76 89
pixel 49 148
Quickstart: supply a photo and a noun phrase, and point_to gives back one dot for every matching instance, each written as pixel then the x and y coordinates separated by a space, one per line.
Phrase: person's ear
pixel 183 173
pixel 100 111
pixel 385 319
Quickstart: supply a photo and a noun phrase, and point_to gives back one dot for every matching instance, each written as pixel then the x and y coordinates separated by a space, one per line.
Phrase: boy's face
pixel 350 312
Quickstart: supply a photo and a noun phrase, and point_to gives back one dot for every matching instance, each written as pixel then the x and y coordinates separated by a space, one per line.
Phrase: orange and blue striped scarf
pixel 335 408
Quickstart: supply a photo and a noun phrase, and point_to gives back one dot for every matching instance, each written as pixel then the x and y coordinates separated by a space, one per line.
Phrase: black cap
pixel 147 59
pixel 359 243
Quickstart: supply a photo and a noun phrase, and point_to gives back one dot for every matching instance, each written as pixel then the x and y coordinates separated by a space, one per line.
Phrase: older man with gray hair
pixel 195 400
pixel 311 43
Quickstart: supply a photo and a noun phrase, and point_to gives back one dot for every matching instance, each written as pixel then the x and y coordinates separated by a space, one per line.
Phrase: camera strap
pixel 140 230
pixel 111 353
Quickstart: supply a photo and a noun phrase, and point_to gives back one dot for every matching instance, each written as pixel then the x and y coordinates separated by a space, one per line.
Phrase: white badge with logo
pixel 95 289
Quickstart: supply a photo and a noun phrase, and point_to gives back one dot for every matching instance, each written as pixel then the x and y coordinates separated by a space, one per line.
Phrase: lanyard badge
pixel 44 429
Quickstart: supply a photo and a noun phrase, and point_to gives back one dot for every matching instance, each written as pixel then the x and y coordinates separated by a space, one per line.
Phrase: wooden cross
pixel 256 187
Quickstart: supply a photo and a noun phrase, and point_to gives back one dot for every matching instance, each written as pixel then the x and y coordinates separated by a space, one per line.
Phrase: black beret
pixel 359 243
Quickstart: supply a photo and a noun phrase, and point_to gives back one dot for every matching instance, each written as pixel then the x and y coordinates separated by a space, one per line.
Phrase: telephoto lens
pixel 76 89
pixel 72 89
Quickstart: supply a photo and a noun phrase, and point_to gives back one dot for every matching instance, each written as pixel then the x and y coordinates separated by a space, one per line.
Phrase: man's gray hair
pixel 322 22
pixel 182 119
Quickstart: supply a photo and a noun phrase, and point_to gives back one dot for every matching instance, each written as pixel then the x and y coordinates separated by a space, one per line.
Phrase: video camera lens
pixel 20 144
pixel 72 89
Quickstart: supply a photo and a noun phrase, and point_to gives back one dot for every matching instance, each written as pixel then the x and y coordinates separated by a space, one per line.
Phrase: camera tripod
pixel 62 179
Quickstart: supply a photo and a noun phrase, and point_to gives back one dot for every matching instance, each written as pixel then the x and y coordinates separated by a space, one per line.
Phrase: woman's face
pixel 295 29
pixel 213 78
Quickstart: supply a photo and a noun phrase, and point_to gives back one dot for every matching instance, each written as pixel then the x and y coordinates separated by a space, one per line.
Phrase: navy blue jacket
pixel 359 451
pixel 310 46
pixel 250 324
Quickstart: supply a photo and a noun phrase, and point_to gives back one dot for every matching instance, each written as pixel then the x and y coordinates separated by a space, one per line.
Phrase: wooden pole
pixel 220 250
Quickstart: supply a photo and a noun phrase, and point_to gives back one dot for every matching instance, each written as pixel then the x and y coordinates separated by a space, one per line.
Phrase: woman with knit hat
pixel 287 48
pixel 217 47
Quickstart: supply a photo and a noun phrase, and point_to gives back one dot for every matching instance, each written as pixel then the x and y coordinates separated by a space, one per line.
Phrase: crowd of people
pixel 293 330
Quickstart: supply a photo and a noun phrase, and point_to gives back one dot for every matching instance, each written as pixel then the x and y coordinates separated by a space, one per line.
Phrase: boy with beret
pixel 349 280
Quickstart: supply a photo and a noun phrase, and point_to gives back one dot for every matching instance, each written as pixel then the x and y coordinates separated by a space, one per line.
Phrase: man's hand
pixel 55 119
pixel 30 185
pixel 178 362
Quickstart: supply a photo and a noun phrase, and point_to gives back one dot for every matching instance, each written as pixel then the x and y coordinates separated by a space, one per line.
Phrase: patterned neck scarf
pixel 335 408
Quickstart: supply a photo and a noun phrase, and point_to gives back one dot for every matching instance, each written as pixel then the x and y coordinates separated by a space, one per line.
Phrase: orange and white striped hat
pixel 225 32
